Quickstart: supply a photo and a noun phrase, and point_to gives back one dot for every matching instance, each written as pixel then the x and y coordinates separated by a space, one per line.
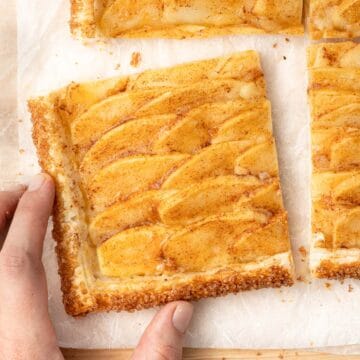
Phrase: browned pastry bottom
pixel 330 270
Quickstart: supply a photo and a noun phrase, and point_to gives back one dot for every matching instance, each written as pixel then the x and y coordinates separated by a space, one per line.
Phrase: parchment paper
pixel 310 314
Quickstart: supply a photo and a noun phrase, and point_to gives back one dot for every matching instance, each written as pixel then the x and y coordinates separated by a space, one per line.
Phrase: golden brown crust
pixel 76 296
pixel 332 270
pixel 221 284
pixel 85 287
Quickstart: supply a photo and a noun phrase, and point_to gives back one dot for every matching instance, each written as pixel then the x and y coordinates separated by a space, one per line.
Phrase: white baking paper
pixel 8 116
pixel 308 315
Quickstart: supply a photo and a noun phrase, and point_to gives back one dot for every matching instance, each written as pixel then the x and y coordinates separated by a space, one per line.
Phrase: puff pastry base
pixel 167 185
pixel 334 95
pixel 334 19
pixel 184 19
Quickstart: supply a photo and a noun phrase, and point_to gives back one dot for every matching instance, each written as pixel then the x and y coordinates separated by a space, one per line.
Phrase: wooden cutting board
pixel 208 354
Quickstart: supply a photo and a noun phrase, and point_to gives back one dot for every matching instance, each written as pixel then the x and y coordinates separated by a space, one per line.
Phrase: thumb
pixel 163 338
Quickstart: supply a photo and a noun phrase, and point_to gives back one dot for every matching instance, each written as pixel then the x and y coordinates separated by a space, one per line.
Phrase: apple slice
pixel 134 252
pixel 349 11
pixel 255 124
pixel 210 197
pixel 207 245
pixel 335 108
pixel 341 79
pixel 346 153
pixel 268 197
pixel 133 137
pixel 77 98
pixel 140 209
pixel 349 189
pixel 258 160
pixel 347 229
pixel 215 160
pixel 107 114
pixel 265 241
pixel 127 176
pixel 325 183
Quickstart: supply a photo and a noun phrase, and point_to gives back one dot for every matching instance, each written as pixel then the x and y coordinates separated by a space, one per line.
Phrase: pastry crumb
pixel 327 285
pixel 135 59
pixel 302 251
pixel 275 45
pixel 287 39
pixel 284 57
pixel 21 151
pixel 117 66
pixel 350 288
pixel 300 278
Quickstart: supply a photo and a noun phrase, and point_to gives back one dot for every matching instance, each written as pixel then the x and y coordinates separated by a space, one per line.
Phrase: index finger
pixel 8 202
pixel 28 227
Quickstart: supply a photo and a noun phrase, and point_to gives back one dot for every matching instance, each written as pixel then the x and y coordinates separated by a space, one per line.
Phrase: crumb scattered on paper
pixel 135 59
pixel 350 288
pixel 327 285
pixel 275 45
pixel 302 251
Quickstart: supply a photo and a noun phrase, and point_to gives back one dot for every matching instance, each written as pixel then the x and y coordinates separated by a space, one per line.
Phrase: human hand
pixel 26 331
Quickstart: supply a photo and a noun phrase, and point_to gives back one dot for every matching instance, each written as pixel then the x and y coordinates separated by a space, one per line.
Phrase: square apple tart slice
pixel 334 95
pixel 167 185
pixel 184 19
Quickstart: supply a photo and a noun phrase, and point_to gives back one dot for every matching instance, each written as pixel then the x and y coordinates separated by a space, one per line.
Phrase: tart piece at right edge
pixel 334 19
pixel 334 96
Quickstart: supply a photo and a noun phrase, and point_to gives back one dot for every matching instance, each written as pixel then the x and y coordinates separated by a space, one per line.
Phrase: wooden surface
pixel 207 354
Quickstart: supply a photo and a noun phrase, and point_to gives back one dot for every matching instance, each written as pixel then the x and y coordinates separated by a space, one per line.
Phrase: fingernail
pixel 182 316
pixel 36 182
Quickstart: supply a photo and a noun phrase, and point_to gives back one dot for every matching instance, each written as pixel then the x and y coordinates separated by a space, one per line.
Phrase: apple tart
pixel 167 185
pixel 334 19
pixel 185 18
pixel 334 94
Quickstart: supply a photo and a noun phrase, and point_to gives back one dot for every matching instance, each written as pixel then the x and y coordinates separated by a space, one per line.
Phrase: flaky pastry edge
pixel 334 264
pixel 82 293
